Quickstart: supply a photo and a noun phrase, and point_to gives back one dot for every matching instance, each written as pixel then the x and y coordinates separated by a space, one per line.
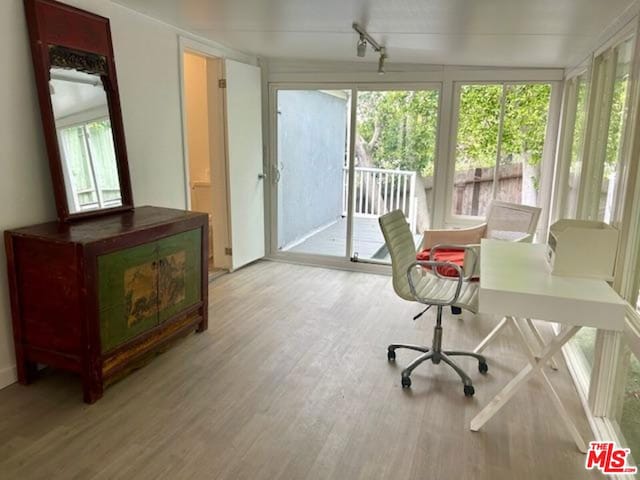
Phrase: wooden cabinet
pixel 101 296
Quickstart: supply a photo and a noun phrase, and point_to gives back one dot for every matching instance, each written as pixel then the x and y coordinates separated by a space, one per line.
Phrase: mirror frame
pixel 85 39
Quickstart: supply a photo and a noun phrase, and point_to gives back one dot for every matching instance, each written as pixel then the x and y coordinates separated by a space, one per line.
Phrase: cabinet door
pixel 128 293
pixel 179 274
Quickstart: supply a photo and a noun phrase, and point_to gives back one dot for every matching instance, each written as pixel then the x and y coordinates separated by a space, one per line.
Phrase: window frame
pixel 567 137
pixel 548 152
pixel 82 123
pixel 599 117
pixel 602 398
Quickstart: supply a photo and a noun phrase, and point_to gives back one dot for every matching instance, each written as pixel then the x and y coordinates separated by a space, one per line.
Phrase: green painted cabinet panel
pixel 128 293
pixel 143 286
pixel 179 277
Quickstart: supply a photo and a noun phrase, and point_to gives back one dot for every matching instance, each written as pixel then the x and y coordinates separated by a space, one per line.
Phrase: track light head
pixel 362 46
pixel 383 57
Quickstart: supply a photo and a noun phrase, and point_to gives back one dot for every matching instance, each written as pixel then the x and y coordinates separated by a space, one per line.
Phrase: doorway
pixel 204 109
pixel 223 149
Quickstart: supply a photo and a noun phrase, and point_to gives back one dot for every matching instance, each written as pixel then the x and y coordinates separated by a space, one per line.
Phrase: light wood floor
pixel 291 381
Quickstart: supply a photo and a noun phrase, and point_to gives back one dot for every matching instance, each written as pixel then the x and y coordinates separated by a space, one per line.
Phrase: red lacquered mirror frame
pixel 54 24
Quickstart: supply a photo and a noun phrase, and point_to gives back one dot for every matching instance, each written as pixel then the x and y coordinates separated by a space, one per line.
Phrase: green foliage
pixel 616 124
pixel 408 124
pixel 578 127
pixel 525 121
pixel 99 126
pixel 478 125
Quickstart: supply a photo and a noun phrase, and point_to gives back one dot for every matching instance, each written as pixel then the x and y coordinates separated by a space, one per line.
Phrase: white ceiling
pixel 72 93
pixel 540 33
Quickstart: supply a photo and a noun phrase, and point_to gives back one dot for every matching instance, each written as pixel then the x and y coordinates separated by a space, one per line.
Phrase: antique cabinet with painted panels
pixel 101 296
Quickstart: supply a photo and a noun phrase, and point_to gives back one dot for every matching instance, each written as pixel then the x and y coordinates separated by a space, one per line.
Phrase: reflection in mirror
pixel 86 142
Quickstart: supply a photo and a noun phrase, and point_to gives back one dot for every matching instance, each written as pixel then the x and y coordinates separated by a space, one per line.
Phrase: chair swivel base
pixel 437 355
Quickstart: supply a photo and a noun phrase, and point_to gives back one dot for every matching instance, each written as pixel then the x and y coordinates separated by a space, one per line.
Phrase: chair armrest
pixel 470 252
pixel 462 236
pixel 434 267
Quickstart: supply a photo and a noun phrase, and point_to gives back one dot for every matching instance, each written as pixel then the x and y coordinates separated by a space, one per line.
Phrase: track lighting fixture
pixel 383 57
pixel 362 46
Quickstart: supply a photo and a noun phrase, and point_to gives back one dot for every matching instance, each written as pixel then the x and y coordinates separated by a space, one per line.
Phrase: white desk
pixel 516 281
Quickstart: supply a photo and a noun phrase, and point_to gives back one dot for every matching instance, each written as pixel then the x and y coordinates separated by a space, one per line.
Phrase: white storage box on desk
pixel 582 248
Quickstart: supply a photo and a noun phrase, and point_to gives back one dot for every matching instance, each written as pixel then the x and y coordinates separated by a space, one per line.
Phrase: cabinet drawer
pixel 179 273
pixel 127 294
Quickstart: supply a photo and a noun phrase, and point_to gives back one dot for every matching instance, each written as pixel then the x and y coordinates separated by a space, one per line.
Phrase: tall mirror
pixel 77 85
pixel 85 140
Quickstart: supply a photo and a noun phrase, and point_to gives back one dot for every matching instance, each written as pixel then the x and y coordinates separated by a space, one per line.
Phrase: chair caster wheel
pixel 391 355
pixel 469 391
pixel 483 367
pixel 456 311
pixel 406 382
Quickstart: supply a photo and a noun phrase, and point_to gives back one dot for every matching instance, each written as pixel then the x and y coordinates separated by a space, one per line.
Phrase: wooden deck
pixel 332 240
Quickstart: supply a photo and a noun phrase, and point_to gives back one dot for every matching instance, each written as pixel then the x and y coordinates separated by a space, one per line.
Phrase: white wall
pixel 25 187
pixel 147 60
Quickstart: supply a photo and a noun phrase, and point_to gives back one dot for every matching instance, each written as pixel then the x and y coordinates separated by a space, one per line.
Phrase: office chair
pixel 422 282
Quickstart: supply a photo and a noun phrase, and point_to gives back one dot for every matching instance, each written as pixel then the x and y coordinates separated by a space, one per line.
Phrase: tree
pixel 398 129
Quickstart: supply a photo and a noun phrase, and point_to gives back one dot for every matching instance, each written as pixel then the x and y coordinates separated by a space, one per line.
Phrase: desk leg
pixel 573 430
pixel 523 340
pixel 549 388
pixel 534 366
pixel 538 336
pixel 493 334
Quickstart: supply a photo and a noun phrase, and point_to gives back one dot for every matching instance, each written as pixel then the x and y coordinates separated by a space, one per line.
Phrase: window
pixel 90 164
pixel 628 415
pixel 612 74
pixel 578 112
pixel 585 340
pixel 499 141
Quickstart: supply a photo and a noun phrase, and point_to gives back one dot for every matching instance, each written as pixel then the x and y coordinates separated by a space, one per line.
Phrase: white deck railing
pixel 378 191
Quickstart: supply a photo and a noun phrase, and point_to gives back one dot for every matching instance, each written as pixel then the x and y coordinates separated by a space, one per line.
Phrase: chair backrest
pixel 402 249
pixel 511 217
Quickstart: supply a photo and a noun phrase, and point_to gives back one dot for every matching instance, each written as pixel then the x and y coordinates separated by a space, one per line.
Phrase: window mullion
pixel 96 186
pixel 499 141
pixel 351 168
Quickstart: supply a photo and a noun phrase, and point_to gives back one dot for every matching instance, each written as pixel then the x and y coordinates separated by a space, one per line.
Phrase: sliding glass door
pixel 312 155
pixel 330 188
pixel 395 145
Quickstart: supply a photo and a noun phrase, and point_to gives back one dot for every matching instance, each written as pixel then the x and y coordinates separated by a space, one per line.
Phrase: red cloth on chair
pixel 444 255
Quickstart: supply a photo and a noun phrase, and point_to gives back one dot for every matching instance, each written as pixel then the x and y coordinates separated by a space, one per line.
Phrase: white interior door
pixel 245 167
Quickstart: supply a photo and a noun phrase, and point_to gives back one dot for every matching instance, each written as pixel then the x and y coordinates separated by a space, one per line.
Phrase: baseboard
pixel 8 376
